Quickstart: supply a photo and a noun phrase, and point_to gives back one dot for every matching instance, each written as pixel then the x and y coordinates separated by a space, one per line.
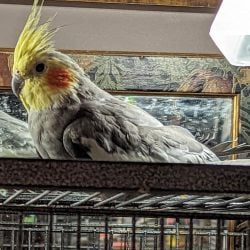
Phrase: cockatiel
pixel 70 117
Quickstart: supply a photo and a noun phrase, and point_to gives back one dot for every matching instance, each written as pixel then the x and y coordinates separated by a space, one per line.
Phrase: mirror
pixel 195 92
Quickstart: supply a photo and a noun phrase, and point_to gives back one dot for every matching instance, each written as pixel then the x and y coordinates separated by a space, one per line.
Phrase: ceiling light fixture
pixel 230 31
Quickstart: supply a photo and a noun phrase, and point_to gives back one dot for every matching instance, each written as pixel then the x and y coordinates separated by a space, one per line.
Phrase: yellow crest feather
pixel 34 39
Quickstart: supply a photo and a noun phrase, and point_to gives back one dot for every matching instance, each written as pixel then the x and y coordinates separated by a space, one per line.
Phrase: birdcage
pixel 104 205
pixel 52 205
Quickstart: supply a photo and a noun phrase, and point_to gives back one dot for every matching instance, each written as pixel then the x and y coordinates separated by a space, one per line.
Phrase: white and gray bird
pixel 70 117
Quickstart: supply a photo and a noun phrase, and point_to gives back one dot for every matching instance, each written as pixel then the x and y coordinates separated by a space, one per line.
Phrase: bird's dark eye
pixel 40 67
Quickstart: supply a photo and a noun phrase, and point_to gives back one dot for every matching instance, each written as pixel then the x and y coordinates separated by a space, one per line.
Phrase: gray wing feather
pixel 106 135
pixel 176 144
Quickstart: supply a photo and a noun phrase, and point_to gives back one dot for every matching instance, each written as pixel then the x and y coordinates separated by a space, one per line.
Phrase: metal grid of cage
pixel 77 231
pixel 94 205
pixel 130 202
pixel 49 219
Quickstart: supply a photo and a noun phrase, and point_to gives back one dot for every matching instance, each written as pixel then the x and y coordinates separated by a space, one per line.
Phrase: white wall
pixel 117 30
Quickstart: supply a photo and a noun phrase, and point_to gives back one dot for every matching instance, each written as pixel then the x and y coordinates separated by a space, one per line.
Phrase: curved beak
pixel 17 84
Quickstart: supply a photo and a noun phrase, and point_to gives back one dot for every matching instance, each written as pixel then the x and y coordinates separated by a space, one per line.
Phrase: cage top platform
pixel 130 188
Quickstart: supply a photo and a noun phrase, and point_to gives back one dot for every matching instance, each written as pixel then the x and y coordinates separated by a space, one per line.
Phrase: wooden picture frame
pixel 207 5
pixel 172 76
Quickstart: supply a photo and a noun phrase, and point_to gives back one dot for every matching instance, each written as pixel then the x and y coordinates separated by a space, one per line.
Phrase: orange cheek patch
pixel 58 78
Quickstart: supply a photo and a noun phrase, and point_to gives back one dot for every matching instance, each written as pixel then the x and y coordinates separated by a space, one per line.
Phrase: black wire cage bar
pixel 50 204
